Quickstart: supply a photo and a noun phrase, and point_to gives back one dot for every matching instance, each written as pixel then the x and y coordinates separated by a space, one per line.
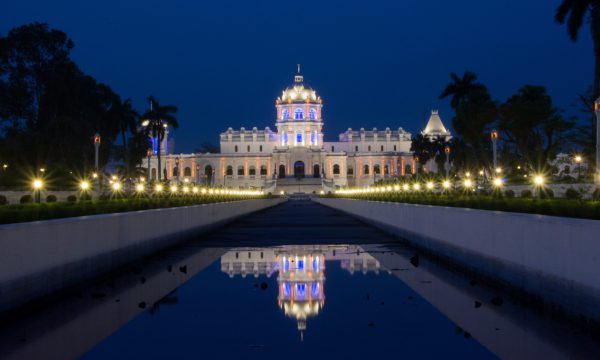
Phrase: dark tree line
pixel 50 110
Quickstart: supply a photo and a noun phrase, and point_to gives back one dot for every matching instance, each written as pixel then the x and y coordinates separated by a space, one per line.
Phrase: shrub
pixel 526 194
pixel 546 194
pixel 51 198
pixel 596 194
pixel 3 200
pixel 509 194
pixel 71 199
pixel 26 199
pixel 85 197
pixel 572 194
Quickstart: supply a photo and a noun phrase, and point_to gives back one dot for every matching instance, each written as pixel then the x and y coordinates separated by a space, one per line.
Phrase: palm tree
pixel 459 88
pixel 156 120
pixel 125 119
pixel 574 14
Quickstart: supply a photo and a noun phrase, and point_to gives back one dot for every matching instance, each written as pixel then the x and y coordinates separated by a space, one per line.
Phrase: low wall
pixel 38 258
pixel 554 259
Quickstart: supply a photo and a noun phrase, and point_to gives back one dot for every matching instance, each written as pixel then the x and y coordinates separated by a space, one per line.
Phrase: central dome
pixel 299 93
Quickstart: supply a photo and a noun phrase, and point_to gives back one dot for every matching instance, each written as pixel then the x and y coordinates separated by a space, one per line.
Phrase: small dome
pixel 299 93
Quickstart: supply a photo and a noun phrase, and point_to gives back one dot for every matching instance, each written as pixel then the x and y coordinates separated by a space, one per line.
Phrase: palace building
pixel 294 156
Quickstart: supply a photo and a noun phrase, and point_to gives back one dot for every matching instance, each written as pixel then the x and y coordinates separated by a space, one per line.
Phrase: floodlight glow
pixel 84 185
pixel 468 183
pixel 446 184
pixel 429 185
pixel 578 158
pixel 417 186
pixel 116 186
pixel 498 170
pixel 539 180
pixel 396 187
pixel 140 187
pixel 38 184
pixel 498 182
pixel 158 188
pixel 94 175
pixel 203 190
pixel 145 123
pixel 173 189
pixel 195 190
pixel 405 187
pixel 186 189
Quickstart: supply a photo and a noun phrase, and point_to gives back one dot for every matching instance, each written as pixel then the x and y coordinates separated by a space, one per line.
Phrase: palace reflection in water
pixel 300 272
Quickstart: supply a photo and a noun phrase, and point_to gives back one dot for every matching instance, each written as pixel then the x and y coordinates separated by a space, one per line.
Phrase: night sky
pixel 374 63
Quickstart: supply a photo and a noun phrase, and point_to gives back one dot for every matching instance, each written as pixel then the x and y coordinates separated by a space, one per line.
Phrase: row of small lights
pixel 538 180
pixel 141 188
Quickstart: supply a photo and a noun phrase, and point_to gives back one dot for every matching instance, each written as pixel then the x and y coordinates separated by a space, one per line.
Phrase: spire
pixel 298 79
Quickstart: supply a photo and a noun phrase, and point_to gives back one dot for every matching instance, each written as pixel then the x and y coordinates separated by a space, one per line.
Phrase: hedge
pixel 45 211
pixel 556 207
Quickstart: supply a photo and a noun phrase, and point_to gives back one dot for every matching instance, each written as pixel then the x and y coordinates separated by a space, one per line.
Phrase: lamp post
pixel 494 136
pixel 578 159
pixel 149 155
pixel 97 141
pixel 447 164
pixel 177 168
pixel 597 111
pixel 37 188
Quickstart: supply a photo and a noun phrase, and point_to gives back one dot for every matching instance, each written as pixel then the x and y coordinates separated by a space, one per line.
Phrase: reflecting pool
pixel 315 284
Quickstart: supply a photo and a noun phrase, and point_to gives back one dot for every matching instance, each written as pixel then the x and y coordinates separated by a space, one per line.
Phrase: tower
pixel 299 122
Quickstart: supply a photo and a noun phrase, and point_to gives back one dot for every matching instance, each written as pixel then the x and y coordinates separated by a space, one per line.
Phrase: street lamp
pixel 447 164
pixel 538 182
pixel 38 184
pixel 97 142
pixel 84 186
pixel 494 136
pixel 578 160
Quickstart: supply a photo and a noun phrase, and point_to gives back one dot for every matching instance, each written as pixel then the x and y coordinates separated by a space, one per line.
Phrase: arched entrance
pixel 281 173
pixel 316 171
pixel 299 169
pixel 208 174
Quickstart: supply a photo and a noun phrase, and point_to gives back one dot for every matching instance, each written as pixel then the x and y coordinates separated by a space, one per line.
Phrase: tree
pixel 459 88
pixel 532 127
pixel 50 109
pixel 155 121
pixel 574 13
pixel 125 118
pixel 207 147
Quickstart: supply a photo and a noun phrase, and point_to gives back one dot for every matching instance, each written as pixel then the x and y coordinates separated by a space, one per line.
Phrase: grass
pixel 45 211
pixel 555 207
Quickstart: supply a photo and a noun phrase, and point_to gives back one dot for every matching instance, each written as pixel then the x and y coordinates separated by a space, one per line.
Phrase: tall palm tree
pixel 574 13
pixel 125 119
pixel 460 87
pixel 155 121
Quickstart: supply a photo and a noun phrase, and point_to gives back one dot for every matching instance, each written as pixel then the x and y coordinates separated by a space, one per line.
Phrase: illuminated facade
pixel 294 154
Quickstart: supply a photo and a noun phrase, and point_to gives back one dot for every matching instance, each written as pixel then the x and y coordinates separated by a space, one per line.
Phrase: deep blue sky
pixel 375 63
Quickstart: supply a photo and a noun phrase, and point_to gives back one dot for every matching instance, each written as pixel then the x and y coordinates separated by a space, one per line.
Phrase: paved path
pixel 297 221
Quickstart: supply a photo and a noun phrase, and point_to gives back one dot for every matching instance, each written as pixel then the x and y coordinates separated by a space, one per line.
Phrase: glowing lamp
pixel 578 158
pixel 417 186
pixel 468 183
pixel 158 188
pixel 84 185
pixel 498 182
pixel 195 190
pixel 429 185
pixel 446 184
pixel 173 189
pixel 539 180
pixel 116 186
pixel 405 187
pixel 140 187
pixel 38 184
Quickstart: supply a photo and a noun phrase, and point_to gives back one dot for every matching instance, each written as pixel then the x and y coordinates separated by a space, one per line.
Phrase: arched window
pixel 386 170
pixel 240 170
pixel 285 114
pixel 281 173
pixel 175 171
pixel 298 114
pixel 187 171
pixel 336 169
pixel 377 169
pixel 299 138
pixel 229 170
pixel 350 171
pixel 356 148
pixel 312 113
pixel 366 169
pixel 369 148
pixel 381 147
pixel 236 148
pixel 260 148
pixel 248 148
pixel 263 170
pixel 252 171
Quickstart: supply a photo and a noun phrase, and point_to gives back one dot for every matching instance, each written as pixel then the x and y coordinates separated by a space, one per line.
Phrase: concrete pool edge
pixel 39 258
pixel 551 260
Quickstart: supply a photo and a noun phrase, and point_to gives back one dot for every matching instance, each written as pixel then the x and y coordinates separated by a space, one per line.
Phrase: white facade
pixel 294 154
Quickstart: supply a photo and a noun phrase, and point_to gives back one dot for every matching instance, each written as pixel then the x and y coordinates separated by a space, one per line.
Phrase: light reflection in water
pixel 300 272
